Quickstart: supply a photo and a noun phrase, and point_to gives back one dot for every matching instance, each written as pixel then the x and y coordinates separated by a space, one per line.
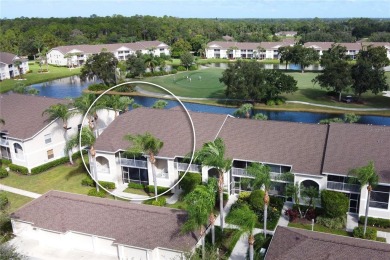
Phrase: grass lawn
pixel 224 241
pixel 15 201
pixel 64 178
pixel 35 77
pixel 320 228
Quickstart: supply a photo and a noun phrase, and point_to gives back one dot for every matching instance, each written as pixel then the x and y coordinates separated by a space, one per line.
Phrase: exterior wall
pixel 114 175
pixel 133 253
pixel 372 212
pixel 4 71
pixel 166 254
pixel 35 150
pixel 56 57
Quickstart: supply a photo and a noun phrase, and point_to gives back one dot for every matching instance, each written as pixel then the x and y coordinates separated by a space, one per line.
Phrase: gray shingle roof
pixel 353 145
pixel 292 243
pixel 7 58
pixel 154 226
pixel 249 45
pixel 23 114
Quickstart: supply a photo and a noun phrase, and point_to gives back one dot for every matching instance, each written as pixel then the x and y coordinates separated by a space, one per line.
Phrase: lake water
pixel 72 87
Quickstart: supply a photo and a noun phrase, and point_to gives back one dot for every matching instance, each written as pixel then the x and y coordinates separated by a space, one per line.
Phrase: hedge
pixel 133 185
pixel 371 233
pixel 189 182
pixel 97 87
pixel 335 204
pixel 49 165
pixel 161 201
pixel 101 193
pixel 376 222
pixel 88 181
pixel 5 162
pixel 150 189
pixel 3 173
pixel 333 223
pixel 107 185
pixel 3 200
pixel 18 169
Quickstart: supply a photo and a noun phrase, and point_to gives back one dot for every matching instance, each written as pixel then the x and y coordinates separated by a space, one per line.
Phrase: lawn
pixel 210 87
pixel 35 77
pixel 320 228
pixel 15 201
pixel 64 178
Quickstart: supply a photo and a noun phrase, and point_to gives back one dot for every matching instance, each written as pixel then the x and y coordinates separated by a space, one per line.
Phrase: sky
pixel 198 8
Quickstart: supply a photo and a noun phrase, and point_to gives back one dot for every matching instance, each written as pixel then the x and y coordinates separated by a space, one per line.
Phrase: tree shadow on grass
pixel 315 94
pixel 77 171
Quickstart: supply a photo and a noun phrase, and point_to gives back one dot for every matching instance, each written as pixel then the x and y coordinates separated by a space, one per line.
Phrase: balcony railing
pixel 4 142
pixel 192 168
pixel 134 163
pixel 243 172
pixel 343 186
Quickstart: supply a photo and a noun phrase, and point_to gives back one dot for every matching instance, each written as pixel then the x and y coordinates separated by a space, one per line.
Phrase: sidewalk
pixel 19 191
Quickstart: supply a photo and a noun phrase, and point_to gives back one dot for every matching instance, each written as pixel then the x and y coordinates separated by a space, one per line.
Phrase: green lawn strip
pixel 15 201
pixel 64 178
pixel 35 77
pixel 224 241
pixel 178 205
pixel 136 191
pixel 320 228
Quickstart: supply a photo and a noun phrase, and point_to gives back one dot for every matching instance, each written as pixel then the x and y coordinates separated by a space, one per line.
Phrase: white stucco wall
pixel 56 57
pixel 372 212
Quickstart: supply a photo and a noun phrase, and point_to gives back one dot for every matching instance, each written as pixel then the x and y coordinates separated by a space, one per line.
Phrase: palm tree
pixel 260 116
pixel 366 176
pixel 160 104
pixel 212 154
pixel 87 139
pixel 83 104
pixel 44 52
pixel 118 103
pixel 200 203
pixel 62 112
pixel 212 187
pixel 146 144
pixel 151 62
pixel 244 110
pixel 262 179
pixel 246 219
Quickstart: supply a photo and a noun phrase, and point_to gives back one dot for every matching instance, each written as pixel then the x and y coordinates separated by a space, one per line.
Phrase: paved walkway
pixel 226 210
pixel 352 222
pixel 175 197
pixel 19 191
pixel 130 196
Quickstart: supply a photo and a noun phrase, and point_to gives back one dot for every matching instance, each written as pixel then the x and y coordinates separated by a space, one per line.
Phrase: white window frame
pixel 48 139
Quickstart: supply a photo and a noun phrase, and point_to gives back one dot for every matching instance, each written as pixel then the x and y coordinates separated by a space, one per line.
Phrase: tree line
pixel 28 36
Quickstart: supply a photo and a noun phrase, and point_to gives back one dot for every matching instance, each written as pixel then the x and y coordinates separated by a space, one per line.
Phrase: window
pixel 47 138
pixel 50 154
pixel 161 49
pixel 380 197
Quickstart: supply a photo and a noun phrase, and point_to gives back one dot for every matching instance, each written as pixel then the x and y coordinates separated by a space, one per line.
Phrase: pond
pixel 72 87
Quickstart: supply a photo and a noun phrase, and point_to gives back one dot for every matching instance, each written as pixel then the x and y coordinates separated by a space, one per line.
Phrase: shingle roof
pixel 23 114
pixel 296 144
pixel 292 243
pixel 154 226
pixel 249 45
pixel 353 145
pixel 7 58
pixel 319 45
pixel 86 48
pixel 171 126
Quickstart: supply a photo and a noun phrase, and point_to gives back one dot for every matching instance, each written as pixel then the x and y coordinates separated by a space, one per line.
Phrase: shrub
pixel 193 67
pixel 190 181
pixel 256 200
pixel 270 103
pixel 161 201
pixel 181 68
pixel 49 165
pixel 335 204
pixel 292 214
pixel 310 214
pixel 88 181
pixel 77 155
pixel 97 87
pixel 3 173
pixel 5 162
pixel 333 223
pixel 150 189
pixel 3 200
pixel 371 233
pixel 18 169
pixel 125 88
pixel 279 101
pixel 244 196
pixel 174 71
pixel 107 185
pixel 376 222
pixel 93 192
pixel 133 185
pixel 277 202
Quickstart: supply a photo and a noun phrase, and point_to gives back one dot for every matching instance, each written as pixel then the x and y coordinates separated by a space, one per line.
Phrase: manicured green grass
pixel 35 77
pixel 321 228
pixel 15 201
pixel 64 178
pixel 136 191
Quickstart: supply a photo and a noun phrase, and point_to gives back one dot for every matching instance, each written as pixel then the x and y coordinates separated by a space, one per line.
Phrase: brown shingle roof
pixel 7 58
pixel 319 45
pixel 249 45
pixel 292 243
pixel 128 223
pixel 296 144
pixel 353 145
pixel 171 126
pixel 23 114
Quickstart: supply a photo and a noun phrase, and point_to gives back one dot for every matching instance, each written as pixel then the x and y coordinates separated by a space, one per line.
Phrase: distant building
pixel 8 69
pixel 108 228
pixel 286 33
pixel 293 243
pixel 76 55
